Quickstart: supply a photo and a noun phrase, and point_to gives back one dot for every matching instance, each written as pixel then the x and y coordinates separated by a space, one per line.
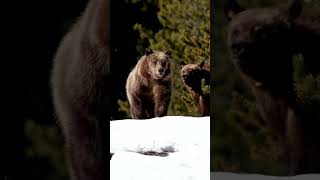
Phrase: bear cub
pixel 148 85
pixel 192 75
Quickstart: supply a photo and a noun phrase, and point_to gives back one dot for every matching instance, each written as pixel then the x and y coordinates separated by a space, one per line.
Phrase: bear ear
pixel 148 51
pixel 201 64
pixel 168 53
pixel 232 8
pixel 182 63
pixel 295 9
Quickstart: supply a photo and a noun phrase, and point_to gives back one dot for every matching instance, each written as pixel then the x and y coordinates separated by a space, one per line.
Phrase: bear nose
pixel 161 71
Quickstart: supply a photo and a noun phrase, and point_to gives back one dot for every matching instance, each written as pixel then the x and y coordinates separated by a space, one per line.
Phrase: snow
pixel 185 140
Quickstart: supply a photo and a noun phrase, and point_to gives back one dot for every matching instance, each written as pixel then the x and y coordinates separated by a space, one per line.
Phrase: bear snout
pixel 184 76
pixel 189 81
pixel 238 48
pixel 161 71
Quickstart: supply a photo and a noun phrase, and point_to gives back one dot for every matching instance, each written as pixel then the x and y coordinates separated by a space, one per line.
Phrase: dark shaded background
pixel 32 32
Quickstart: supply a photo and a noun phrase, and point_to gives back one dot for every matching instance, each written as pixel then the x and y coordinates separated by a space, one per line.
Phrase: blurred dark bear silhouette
pixel 192 75
pixel 81 85
pixel 262 42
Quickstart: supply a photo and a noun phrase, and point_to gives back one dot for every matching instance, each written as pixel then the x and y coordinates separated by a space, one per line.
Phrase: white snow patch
pixel 185 139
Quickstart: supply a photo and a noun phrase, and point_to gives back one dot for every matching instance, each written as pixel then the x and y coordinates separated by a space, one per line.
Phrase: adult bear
pixel 262 42
pixel 192 75
pixel 148 85
pixel 81 91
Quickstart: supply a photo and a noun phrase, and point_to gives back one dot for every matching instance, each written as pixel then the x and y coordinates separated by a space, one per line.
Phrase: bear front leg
pixel 162 96
pixel 136 109
pixel 295 147
pixel 204 105
pixel 85 151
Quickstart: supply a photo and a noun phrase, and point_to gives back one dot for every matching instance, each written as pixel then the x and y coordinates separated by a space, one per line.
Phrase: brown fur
pixel 81 91
pixel 261 42
pixel 191 75
pixel 149 85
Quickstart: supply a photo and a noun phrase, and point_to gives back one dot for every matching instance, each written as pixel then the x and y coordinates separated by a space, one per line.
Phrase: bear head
pixel 260 40
pixel 158 63
pixel 192 74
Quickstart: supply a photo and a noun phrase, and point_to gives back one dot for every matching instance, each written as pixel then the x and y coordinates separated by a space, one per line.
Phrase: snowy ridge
pixel 170 133
pixel 185 139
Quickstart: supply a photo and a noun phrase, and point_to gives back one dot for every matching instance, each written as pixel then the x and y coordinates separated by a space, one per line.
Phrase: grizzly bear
pixel 80 82
pixel 192 75
pixel 262 42
pixel 148 85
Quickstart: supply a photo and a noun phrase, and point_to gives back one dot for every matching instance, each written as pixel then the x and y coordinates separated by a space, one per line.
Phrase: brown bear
pixel 148 85
pixel 81 91
pixel 262 42
pixel 192 75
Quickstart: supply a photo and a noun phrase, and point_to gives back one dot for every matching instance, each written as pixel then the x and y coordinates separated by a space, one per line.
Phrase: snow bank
pixel 185 140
